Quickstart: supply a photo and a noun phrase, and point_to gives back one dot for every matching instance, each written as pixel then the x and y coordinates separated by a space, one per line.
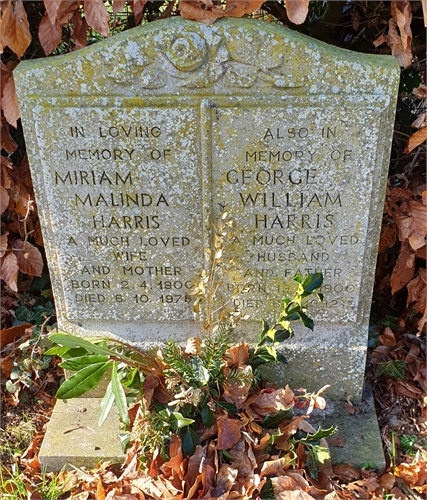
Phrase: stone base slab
pixel 74 438
pixel 358 439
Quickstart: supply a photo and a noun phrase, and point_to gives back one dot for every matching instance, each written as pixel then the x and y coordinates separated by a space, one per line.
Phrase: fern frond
pixel 172 355
pixel 214 349
pixel 239 376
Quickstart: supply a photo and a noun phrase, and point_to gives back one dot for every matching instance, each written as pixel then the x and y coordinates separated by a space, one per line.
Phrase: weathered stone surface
pixel 135 142
pixel 73 436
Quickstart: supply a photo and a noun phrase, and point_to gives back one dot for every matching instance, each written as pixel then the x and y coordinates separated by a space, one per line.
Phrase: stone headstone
pixel 135 143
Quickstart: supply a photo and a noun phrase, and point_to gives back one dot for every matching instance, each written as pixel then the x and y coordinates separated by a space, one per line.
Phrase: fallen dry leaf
pixel 239 8
pixel 28 257
pixel 228 433
pixel 271 401
pixel 9 271
pixel 419 137
pixel 346 472
pixel 14 28
pixel 387 337
pixel 387 238
pixel 195 10
pixel 404 269
pixel 9 101
pixel 9 335
pixel 97 16
pixel 400 34
pixel 297 10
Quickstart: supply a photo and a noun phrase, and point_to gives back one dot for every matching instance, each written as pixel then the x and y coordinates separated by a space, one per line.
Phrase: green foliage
pixel 393 368
pixel 293 310
pixel 407 442
pixel 196 377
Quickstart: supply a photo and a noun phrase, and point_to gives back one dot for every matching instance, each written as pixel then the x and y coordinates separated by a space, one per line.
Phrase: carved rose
pixel 187 53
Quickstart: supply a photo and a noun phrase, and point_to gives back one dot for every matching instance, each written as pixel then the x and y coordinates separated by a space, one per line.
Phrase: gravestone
pixel 135 142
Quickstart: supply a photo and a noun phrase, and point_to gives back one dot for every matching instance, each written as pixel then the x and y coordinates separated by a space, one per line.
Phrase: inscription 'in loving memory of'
pixel 279 178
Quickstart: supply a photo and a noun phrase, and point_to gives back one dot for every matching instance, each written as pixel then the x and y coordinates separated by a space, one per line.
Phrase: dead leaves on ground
pixel 406 213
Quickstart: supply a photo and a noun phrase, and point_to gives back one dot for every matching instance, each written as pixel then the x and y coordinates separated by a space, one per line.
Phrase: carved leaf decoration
pixel 4 199
pixel 50 35
pixel 28 257
pixel 9 101
pixel 297 10
pixel 9 271
pixel 239 8
pixel 195 10
pixel 14 28
pixel 404 269
pixel 152 77
pixel 97 16
pixel 242 75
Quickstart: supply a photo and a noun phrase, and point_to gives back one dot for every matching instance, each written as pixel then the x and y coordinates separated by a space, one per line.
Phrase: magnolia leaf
pixel 29 258
pixel 119 395
pixel 14 28
pixel 97 16
pixel 82 381
pixel 73 341
pixel 297 10
pixel 9 271
pixel 50 35
pixel 106 404
pixel 76 364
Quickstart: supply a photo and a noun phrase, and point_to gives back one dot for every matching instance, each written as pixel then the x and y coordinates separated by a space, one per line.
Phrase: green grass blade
pixel 119 395
pixel 106 404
